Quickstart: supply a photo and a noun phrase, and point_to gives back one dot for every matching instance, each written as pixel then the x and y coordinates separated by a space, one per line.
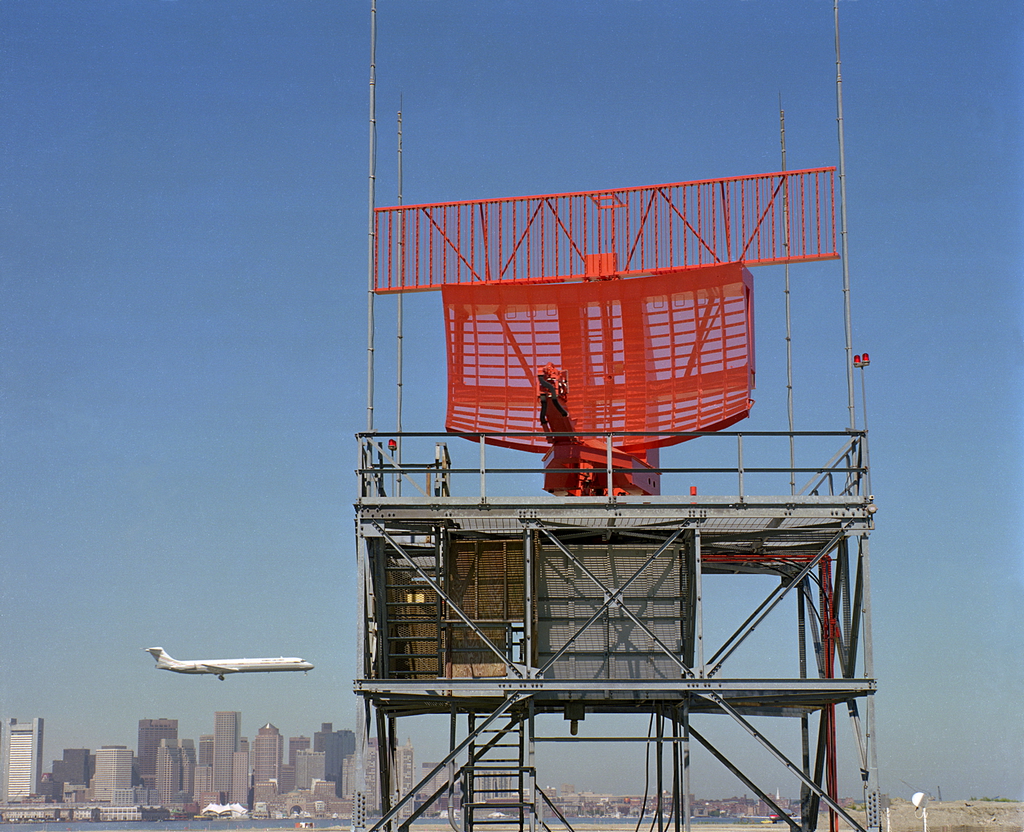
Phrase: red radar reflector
pixel 672 352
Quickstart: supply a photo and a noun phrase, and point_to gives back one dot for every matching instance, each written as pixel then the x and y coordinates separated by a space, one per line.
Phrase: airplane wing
pixel 219 669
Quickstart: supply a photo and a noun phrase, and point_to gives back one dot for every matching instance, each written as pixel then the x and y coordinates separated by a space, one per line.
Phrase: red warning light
pixel 392 445
pixel 864 360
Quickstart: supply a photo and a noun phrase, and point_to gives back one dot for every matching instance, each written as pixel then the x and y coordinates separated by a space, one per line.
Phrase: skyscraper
pixel 175 771
pixel 227 732
pixel 151 732
pixel 336 745
pixel 21 753
pixel 309 766
pixel 295 745
pixel 202 786
pixel 204 753
pixel 113 772
pixel 240 778
pixel 267 752
pixel 72 770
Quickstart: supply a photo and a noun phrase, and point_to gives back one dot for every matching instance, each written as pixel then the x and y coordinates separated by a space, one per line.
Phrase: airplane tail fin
pixel 162 659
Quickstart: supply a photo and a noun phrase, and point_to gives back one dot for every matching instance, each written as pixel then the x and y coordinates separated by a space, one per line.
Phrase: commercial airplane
pixel 220 667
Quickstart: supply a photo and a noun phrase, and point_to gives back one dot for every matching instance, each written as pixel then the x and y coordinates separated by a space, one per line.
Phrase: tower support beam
pixel 508 615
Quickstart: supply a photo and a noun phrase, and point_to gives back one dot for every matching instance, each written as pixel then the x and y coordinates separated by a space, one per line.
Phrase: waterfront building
pixel 113 772
pixel 75 793
pixel 208 796
pixel 227 732
pixel 175 771
pixel 21 752
pixel 265 793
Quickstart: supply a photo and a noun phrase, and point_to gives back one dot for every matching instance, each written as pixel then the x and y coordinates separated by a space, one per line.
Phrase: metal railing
pixel 731 461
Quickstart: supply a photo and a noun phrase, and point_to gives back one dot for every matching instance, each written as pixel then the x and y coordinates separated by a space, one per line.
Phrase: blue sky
pixel 182 336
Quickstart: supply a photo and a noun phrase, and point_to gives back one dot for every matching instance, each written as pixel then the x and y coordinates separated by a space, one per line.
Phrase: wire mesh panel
pixel 673 352
pixel 486 579
pixel 614 646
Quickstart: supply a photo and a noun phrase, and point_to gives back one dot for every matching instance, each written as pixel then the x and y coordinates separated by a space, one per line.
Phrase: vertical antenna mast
pixel 372 205
pixel 789 334
pixel 842 224
pixel 400 321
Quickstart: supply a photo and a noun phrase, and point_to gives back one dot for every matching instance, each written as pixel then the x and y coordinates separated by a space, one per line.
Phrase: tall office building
pixel 151 732
pixel 240 778
pixel 309 766
pixel 286 781
pixel 113 772
pixel 267 754
pixel 295 745
pixel 21 750
pixel 204 753
pixel 175 771
pixel 73 769
pixel 336 745
pixel 202 786
pixel 227 734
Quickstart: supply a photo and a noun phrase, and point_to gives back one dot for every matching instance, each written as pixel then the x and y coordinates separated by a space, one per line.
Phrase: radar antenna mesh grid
pixel 673 352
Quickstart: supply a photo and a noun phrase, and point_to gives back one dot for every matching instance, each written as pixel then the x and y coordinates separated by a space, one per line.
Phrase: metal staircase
pixel 498 785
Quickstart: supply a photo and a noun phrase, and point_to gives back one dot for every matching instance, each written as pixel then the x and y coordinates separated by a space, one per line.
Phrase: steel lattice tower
pixel 496 610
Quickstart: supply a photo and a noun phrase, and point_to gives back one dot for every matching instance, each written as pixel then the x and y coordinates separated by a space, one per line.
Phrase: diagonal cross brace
pixel 614 598
pixel 769 603
pixel 782 758
pixel 509 666
pixel 725 761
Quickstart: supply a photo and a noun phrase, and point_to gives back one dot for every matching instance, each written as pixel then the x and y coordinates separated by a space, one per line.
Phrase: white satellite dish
pixel 920 800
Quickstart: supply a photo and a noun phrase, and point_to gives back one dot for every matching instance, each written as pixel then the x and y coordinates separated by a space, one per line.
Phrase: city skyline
pixel 115 763
pixel 161 758
pixel 183 265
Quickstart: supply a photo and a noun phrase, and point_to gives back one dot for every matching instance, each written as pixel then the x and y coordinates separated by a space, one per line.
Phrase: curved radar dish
pixel 643 356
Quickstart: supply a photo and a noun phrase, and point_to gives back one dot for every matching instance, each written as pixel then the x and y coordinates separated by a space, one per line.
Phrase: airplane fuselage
pixel 220 667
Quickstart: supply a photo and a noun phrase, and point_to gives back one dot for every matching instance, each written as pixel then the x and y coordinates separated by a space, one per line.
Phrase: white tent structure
pixel 229 810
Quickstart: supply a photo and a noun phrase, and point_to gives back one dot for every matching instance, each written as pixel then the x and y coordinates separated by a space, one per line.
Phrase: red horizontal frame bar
pixel 594 235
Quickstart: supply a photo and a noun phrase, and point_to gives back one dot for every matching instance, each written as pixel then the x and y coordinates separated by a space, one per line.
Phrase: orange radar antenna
pixel 640 297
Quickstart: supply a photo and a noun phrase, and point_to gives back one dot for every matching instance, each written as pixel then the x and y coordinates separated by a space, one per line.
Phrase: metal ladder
pixel 498 785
